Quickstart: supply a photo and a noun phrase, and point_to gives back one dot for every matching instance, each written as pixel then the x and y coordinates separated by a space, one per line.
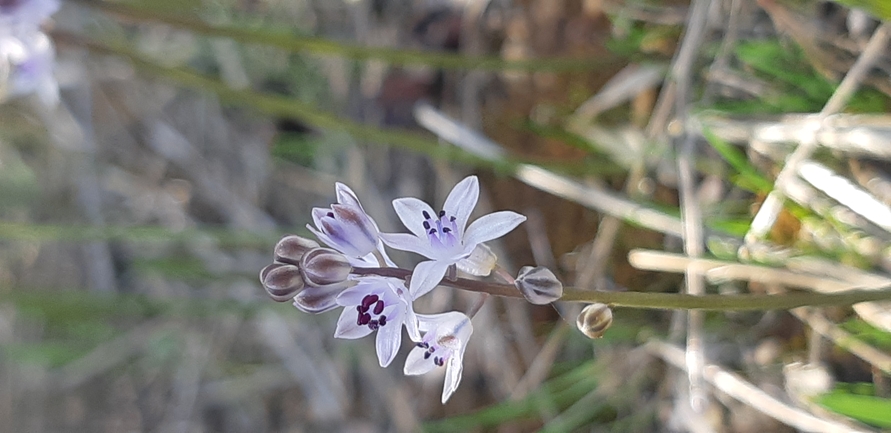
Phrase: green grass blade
pixel 864 408
pixel 294 43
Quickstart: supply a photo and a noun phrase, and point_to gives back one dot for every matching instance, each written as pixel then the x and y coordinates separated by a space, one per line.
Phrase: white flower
pixel 377 304
pixel 445 338
pixel 347 228
pixel 441 236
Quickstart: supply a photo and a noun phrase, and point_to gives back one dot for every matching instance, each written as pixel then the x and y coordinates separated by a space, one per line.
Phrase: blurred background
pixel 169 144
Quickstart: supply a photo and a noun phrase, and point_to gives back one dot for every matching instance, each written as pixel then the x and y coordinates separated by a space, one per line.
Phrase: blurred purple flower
pixel 441 237
pixel 16 14
pixel 27 56
pixel 26 66
pixel 445 338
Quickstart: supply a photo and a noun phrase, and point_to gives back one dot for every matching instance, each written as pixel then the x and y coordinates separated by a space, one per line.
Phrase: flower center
pixel 370 312
pixel 441 231
pixel 438 361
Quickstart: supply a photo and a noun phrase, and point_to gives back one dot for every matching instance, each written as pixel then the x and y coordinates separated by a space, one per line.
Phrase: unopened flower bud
pixel 282 281
pixel 292 247
pixel 324 267
pixel 317 300
pixel 594 320
pixel 539 285
pixel 480 262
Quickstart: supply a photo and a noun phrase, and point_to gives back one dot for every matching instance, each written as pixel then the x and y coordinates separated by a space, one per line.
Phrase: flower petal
pixel 348 328
pixel 454 369
pixel 354 295
pixel 411 213
pixel 389 338
pixel 426 276
pixel 411 323
pixel 325 239
pixel 461 201
pixel 416 364
pixel 491 226
pixel 407 242
pixel 346 196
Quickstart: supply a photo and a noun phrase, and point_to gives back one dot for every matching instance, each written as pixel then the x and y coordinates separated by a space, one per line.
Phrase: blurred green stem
pixel 296 43
pixel 664 301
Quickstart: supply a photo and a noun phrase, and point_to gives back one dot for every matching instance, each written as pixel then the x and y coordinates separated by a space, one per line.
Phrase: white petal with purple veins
pixel 461 201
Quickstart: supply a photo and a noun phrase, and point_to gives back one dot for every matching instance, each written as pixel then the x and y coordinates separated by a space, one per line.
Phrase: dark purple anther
pixel 378 307
pixel 426 215
pixel 382 320
pixel 426 225
pixel 364 319
pixel 426 355
pixel 441 213
pixel 368 300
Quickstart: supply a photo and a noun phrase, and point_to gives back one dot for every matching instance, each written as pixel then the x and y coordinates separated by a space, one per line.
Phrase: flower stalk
pixel 664 301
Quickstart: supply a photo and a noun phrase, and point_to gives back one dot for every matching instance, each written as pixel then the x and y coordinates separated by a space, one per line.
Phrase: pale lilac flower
pixel 16 14
pixel 445 338
pixel 441 236
pixel 377 304
pixel 27 59
pixel 347 228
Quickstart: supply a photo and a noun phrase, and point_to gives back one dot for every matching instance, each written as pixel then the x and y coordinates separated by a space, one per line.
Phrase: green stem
pixel 664 301
pixel 294 43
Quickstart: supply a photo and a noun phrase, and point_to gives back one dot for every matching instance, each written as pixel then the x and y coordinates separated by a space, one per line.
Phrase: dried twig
pixel 742 390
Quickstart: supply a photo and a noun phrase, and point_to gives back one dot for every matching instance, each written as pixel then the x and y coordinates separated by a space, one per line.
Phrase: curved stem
pixel 663 301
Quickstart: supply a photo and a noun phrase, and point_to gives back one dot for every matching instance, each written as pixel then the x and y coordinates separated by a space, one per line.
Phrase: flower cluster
pixel 319 279
pixel 26 53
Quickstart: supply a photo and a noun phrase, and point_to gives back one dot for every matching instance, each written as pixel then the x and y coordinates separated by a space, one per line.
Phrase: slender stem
pixel 663 301
pixel 289 41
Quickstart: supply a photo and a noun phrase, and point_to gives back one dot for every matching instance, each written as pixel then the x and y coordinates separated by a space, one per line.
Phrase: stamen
pixel 446 230
pixel 421 344
pixel 368 300
pixel 426 355
pixel 441 213
pixel 427 225
pixel 431 232
pixel 378 307
pixel 383 320
pixel 364 319
pixel 426 215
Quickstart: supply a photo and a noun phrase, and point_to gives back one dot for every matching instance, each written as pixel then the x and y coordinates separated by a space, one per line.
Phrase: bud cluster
pixel 306 273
